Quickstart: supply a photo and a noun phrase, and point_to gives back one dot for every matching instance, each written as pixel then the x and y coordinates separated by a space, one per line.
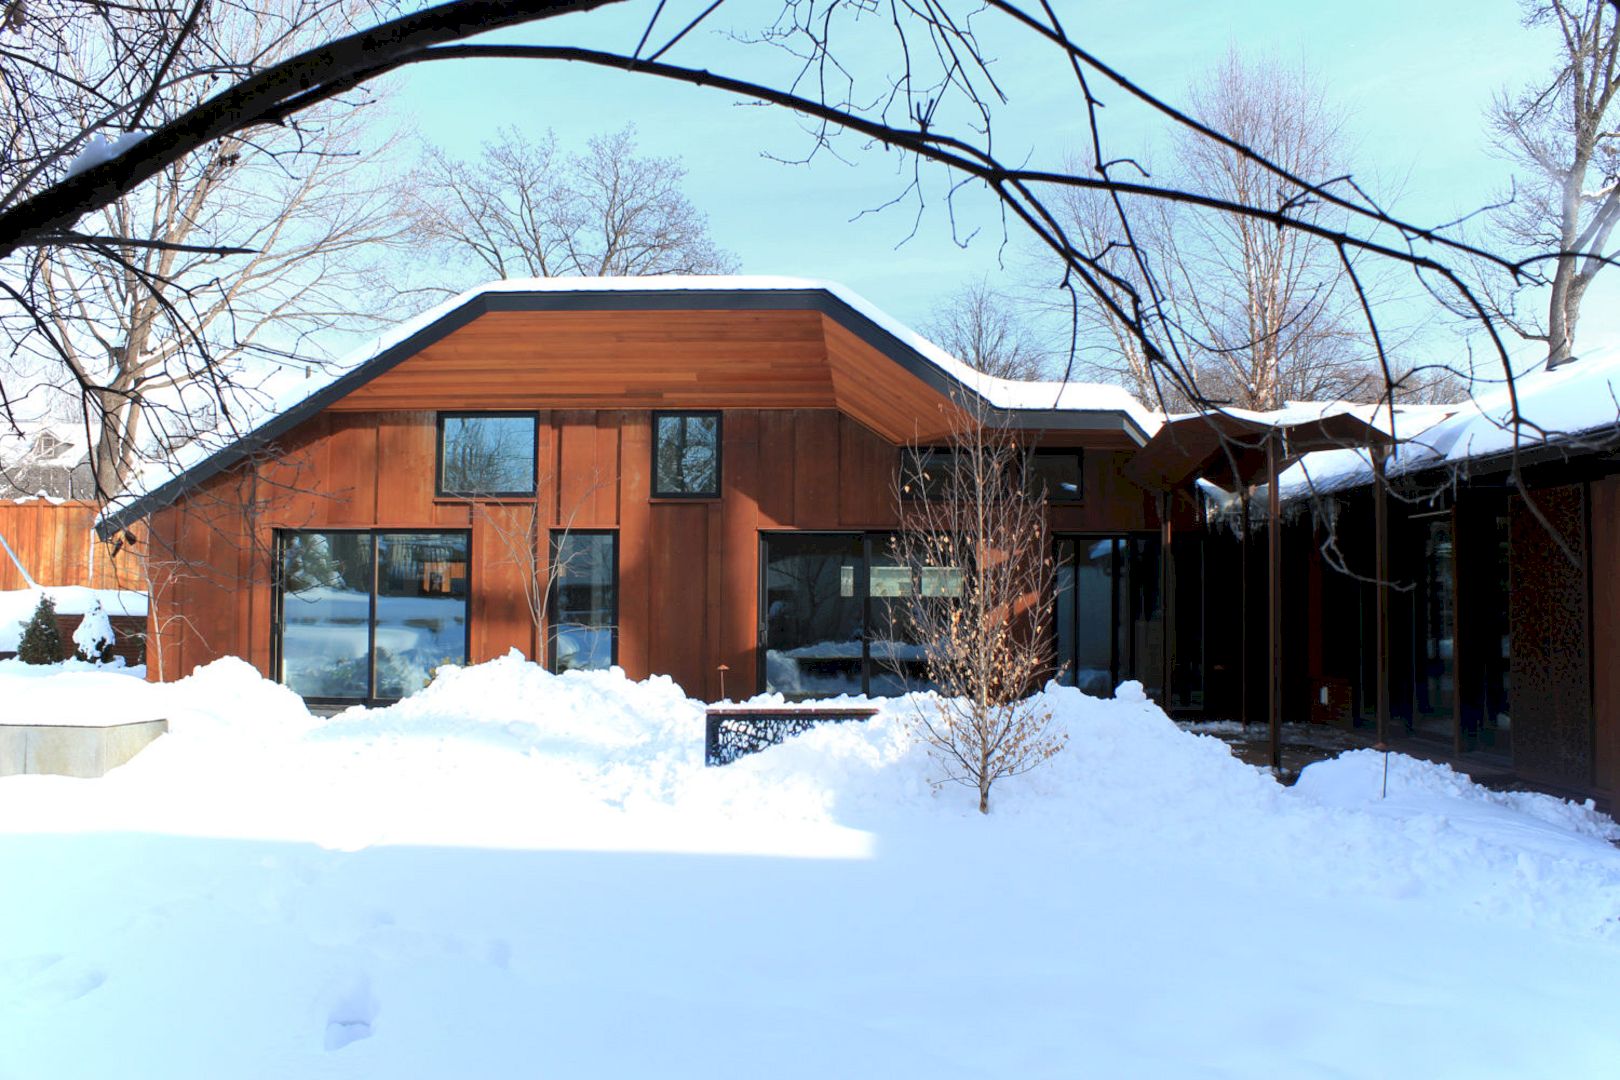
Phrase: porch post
pixel 1167 582
pixel 1274 595
pixel 1381 571
pixel 1245 713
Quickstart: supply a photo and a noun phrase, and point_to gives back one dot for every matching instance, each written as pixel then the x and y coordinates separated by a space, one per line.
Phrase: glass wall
pixel 365 616
pixel 584 601
pixel 1110 618
pixel 1434 621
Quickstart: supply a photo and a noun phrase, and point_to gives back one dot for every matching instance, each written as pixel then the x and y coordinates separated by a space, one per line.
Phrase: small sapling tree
pixel 974 537
pixel 41 642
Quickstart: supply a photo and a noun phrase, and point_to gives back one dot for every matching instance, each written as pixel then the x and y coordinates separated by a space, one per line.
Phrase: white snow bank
pixel 506 867
pixel 17 606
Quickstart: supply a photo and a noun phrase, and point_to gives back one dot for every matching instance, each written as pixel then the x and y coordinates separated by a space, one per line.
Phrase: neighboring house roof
pixel 47 459
pixel 1569 410
pixel 1048 405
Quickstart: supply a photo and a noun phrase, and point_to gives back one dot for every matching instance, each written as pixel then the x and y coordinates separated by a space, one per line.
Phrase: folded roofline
pixel 1050 405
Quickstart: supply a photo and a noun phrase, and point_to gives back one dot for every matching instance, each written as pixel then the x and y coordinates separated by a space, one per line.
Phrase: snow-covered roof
pixel 296 400
pixel 1578 400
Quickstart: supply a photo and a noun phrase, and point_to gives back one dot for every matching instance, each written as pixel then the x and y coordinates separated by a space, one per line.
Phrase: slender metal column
pixel 1381 571
pixel 1274 612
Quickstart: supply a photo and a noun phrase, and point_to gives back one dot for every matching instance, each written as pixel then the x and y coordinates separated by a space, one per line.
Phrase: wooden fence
pixel 57 544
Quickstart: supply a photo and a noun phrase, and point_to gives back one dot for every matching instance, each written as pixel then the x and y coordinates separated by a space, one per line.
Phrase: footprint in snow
pixel 351 1016
pixel 49 978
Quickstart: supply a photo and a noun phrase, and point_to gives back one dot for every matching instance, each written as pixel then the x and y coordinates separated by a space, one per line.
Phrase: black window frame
pixel 551 595
pixel 1079 456
pixel 441 492
pixel 278 598
pixel 719 454
pixel 914 462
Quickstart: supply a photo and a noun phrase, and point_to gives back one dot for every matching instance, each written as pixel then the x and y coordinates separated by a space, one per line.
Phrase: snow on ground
pixel 520 874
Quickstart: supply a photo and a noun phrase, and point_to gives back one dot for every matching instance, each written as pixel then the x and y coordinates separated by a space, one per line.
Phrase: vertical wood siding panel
pixel 635 544
pixel 580 474
pixel 776 467
pixel 815 452
pixel 738 614
pixel 405 456
pixel 353 469
pixel 867 466
pixel 605 497
pixel 501 565
pixel 678 593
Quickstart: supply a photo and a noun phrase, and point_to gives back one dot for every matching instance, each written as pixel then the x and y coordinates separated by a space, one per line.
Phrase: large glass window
pixel 368 615
pixel 584 600
pixel 836 618
pixel 487 454
pixel 686 455
pixel 1054 474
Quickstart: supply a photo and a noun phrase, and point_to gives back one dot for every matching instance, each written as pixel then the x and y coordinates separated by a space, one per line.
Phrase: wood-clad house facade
pixel 330 531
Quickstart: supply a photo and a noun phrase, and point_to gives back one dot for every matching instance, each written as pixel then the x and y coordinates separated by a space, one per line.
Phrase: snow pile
pixel 519 873
pixel 17 606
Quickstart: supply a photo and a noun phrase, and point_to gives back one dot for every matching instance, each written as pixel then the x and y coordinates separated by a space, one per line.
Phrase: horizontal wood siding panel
pixel 700 359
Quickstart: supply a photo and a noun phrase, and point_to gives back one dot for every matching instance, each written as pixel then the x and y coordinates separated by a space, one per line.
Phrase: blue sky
pixel 1415 78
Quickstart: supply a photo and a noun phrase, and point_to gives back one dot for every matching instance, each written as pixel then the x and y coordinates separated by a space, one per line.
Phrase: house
pixel 701 473
pixel 705 466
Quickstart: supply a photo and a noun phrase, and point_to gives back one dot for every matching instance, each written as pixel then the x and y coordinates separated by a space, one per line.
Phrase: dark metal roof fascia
pixel 817 300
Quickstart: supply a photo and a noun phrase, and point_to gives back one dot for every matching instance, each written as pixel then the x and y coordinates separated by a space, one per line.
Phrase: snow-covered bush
pixel 93 640
pixel 41 642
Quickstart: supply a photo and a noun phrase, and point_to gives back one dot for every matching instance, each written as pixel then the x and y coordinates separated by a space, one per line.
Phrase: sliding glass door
pixel 367 616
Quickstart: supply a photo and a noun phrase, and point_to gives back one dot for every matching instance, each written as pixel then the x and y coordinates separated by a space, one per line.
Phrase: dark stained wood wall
pixel 1605 564
pixel 1551 672
pixel 688 570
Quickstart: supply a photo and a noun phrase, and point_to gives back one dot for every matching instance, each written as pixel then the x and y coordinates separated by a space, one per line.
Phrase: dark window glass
pixel 486 455
pixel 1055 474
pixel 358 603
pixel 927 473
pixel 686 455
pixel 585 600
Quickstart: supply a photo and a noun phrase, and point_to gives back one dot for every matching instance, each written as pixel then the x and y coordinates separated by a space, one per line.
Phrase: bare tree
pixel 982 327
pixel 973 537
pixel 221 264
pixel 1564 135
pixel 1268 312
pixel 920 83
pixel 525 209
